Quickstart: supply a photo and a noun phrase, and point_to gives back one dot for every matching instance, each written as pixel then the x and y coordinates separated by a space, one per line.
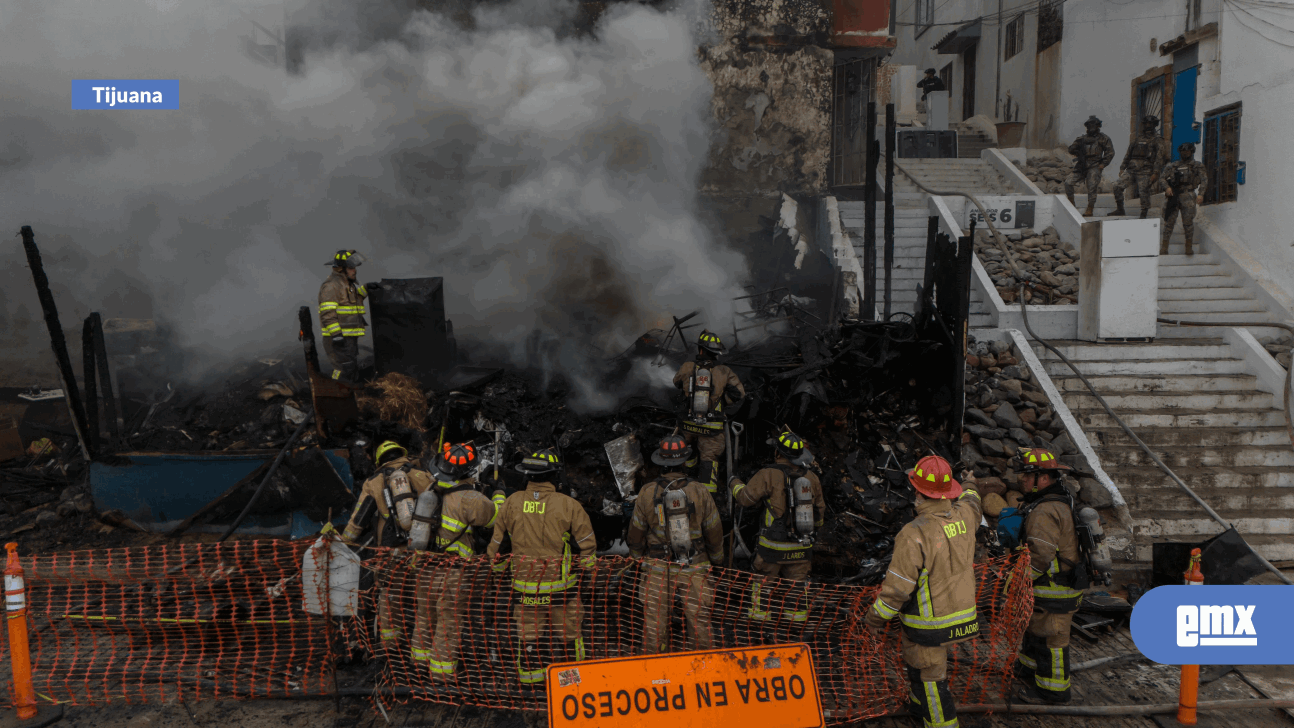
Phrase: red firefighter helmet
pixel 933 478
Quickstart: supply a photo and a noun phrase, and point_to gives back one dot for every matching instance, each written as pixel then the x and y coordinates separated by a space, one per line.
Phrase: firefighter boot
pixel 932 701
pixel 1051 681
pixel 1026 664
pixel 1189 241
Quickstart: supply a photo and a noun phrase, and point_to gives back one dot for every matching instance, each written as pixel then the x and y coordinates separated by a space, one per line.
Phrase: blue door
pixel 1184 109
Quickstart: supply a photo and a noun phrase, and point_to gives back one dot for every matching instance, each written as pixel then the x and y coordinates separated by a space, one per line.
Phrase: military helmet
pixel 673 450
pixel 456 461
pixel 1186 149
pixel 389 451
pixel 1150 120
pixel 931 71
pixel 347 259
pixel 792 447
pixel 1092 120
pixel 710 343
pixel 539 463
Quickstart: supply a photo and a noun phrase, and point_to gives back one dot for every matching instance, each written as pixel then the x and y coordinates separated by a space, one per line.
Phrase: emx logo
pixel 1215 625
pixel 1211 625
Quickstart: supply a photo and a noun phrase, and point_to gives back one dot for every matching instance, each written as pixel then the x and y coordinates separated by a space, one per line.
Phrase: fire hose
pixel 1145 448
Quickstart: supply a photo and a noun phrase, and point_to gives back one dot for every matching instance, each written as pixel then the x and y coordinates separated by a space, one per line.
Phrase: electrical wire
pixel 1259 33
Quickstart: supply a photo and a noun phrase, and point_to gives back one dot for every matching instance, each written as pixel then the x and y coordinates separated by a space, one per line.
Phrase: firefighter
pixel 708 388
pixel 543 525
pixel 341 314
pixel 389 495
pixel 675 524
pixel 793 512
pixel 930 586
pixel 1043 662
pixel 460 508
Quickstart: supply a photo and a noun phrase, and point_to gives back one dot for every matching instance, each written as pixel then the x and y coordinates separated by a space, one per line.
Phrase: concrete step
pixel 1256 317
pixel 1191 436
pixel 1090 416
pixel 1212 348
pixel 1246 521
pixel 1190 457
pixel 1194 270
pixel 1212 305
pixel 1168 333
pixel 1147 367
pixel 1273 548
pixel 1223 280
pixel 1209 478
pixel 1179 259
pixel 1174 499
pixel 1132 401
pixel 1157 382
pixel 1199 294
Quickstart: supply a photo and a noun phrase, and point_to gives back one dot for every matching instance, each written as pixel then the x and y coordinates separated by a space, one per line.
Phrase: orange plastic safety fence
pixel 193 621
pixel 468 631
pixel 205 621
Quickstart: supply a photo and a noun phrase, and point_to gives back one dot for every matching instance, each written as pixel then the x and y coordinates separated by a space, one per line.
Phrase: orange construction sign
pixel 770 686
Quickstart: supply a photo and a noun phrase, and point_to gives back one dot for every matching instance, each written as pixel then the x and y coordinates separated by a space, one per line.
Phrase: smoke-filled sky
pixel 550 179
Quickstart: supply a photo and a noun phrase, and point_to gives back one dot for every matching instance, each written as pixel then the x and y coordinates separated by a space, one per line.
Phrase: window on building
pixel 1222 153
pixel 946 75
pixel 1050 23
pixel 925 15
pixel 1015 36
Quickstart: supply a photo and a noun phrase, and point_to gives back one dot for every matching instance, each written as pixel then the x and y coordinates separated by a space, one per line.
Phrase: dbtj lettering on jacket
pixel 663 700
pixel 952 529
pixel 532 507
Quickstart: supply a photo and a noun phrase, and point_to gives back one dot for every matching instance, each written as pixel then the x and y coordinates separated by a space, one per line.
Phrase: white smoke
pixel 550 178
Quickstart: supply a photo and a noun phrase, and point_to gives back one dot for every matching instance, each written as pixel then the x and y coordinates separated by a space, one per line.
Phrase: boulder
pixel 1068 269
pixel 978 417
pixel 992 448
pixel 1020 436
pixel 1042 440
pixel 970 454
pixel 1063 445
pixel 1092 493
pixel 993 504
pixel 990 485
pixel 1011 385
pixel 1006 417
pixel 1035 397
pixel 993 433
pixel 1028 416
pixel 1016 371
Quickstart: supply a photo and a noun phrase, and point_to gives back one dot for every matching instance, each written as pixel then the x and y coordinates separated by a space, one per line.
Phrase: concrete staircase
pixel 970 142
pixel 1193 403
pixel 911 223
pixel 974 176
pixel 1201 287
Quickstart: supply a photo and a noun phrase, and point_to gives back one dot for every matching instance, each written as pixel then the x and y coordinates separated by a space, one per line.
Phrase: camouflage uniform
pixel 1144 158
pixel 1193 175
pixel 1094 154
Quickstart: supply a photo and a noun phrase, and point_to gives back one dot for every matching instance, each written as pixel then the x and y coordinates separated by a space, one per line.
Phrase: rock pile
pixel 1049 168
pixel 1052 261
pixel 1006 410
pixel 1279 348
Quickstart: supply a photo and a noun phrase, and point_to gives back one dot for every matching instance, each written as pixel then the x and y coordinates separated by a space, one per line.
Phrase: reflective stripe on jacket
pixel 542 525
pixel 769 487
pixel 647 531
pixel 341 307
pixel 930 585
pixel 459 512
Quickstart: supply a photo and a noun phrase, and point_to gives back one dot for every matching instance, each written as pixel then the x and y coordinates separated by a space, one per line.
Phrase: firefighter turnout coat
pixel 341 306
pixel 647 531
pixel 721 377
pixel 1053 552
pixel 419 480
pixel 542 525
pixel 930 585
pixel 768 486
pixel 461 509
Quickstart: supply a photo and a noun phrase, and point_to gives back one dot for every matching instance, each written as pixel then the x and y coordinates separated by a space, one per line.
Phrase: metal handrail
pixel 1145 448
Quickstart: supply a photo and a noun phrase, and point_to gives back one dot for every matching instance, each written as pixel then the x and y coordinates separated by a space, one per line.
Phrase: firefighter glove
pixel 588 562
pixel 501 564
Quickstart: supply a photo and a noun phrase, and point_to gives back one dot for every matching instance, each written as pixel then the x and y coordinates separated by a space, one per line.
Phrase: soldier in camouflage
pixel 1141 165
pixel 1180 179
pixel 1093 152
